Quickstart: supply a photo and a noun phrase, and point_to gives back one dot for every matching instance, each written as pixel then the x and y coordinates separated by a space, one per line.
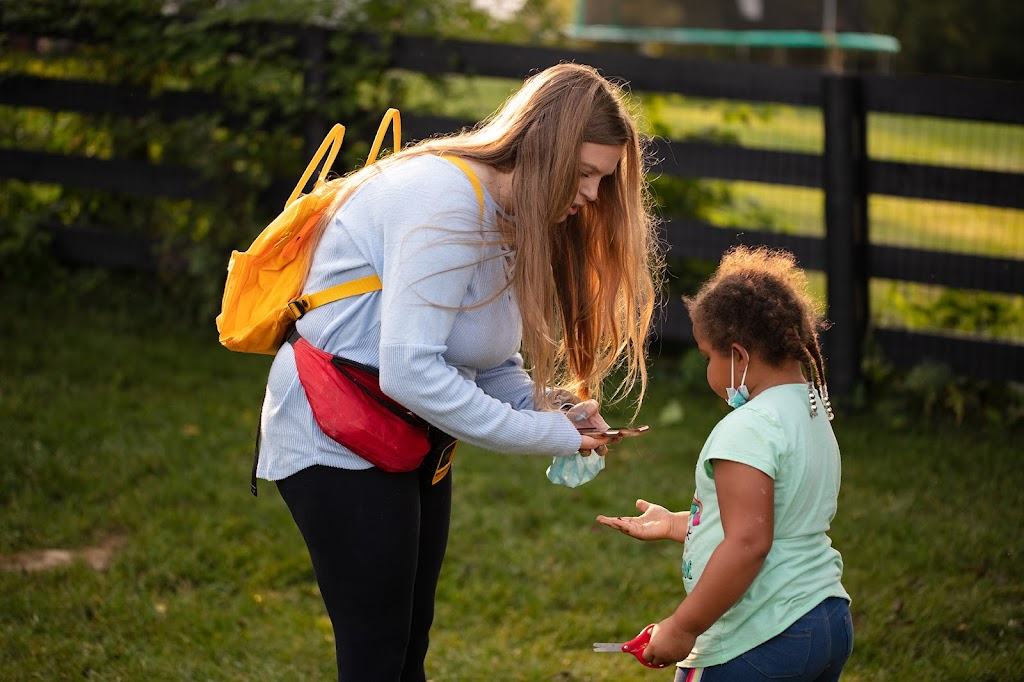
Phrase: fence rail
pixel 843 172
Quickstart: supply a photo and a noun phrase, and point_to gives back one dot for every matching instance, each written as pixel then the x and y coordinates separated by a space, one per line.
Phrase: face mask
pixel 736 396
pixel 575 470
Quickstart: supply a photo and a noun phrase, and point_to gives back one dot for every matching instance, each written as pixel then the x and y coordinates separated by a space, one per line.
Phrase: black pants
pixel 377 541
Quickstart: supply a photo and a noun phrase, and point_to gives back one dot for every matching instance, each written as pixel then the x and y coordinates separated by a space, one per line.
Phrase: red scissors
pixel 634 646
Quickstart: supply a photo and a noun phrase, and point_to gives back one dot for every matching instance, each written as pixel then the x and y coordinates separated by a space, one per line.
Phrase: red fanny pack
pixel 350 408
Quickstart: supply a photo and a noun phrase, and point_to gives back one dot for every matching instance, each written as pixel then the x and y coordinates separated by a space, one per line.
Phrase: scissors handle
pixel 637 645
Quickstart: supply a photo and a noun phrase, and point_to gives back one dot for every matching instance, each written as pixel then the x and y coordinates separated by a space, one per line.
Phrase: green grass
pixel 114 421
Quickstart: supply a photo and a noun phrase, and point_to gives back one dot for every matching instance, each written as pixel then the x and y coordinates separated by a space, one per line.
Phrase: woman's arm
pixel 746 498
pixel 509 383
pixel 436 262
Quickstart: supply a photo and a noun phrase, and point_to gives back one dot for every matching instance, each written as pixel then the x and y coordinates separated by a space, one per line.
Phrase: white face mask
pixel 736 397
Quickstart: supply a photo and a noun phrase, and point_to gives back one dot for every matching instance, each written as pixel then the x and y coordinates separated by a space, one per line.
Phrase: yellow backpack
pixel 263 292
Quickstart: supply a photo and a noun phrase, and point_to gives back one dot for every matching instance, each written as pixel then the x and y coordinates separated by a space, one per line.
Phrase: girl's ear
pixel 740 354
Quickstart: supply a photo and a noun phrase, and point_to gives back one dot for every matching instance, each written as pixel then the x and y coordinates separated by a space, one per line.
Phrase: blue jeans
pixel 814 648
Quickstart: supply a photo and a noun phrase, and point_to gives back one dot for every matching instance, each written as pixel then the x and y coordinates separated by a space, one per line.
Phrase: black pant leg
pixel 435 519
pixel 362 529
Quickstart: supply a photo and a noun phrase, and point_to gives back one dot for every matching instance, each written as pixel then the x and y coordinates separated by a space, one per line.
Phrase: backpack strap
pixel 332 145
pixel 365 285
pixel 473 179
pixel 393 117
pixel 329 147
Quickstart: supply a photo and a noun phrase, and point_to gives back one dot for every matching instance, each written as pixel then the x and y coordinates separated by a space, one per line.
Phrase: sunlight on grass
pixel 753 124
pixel 947 226
pixel 946 142
pixel 894 221
pixel 792 210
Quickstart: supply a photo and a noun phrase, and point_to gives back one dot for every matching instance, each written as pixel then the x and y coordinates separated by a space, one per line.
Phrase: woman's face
pixel 597 161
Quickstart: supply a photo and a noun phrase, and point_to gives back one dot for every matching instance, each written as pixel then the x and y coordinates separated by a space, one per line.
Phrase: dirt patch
pixel 98 557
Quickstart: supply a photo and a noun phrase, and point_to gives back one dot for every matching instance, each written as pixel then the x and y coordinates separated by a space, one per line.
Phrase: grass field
pixel 121 430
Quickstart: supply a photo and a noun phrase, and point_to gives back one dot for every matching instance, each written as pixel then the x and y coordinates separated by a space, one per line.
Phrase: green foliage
pixel 953 37
pixel 956 310
pixel 244 152
pixel 931 393
pixel 24 248
pixel 927 394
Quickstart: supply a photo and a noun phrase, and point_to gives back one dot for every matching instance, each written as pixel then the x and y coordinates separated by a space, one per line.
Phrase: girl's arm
pixel 746 498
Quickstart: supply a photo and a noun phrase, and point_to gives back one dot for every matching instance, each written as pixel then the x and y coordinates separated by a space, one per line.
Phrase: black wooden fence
pixel 844 172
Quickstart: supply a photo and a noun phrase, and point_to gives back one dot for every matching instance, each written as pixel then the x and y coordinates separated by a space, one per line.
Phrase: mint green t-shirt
pixel 774 433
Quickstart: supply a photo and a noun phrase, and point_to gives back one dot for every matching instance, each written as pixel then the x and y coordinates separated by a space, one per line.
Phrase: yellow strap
pixel 363 285
pixel 390 116
pixel 473 180
pixel 333 140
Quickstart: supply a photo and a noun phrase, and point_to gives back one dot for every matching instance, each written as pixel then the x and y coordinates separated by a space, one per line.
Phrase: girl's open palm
pixel 654 523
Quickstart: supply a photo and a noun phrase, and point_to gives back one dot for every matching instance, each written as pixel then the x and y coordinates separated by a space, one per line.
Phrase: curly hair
pixel 758 298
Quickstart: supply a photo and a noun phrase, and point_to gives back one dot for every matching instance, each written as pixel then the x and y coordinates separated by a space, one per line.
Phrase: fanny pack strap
pixel 344 366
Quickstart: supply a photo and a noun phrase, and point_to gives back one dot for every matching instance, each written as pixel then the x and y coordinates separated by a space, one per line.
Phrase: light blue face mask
pixel 736 396
pixel 575 470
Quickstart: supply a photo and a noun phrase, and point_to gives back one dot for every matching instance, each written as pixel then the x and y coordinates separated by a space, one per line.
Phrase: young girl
pixel 764 597
pixel 527 236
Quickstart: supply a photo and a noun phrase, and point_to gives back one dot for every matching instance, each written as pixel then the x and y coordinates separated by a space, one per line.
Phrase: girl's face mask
pixel 575 470
pixel 736 397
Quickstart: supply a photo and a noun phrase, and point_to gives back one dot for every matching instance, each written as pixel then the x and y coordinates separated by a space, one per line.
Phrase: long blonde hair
pixel 587 285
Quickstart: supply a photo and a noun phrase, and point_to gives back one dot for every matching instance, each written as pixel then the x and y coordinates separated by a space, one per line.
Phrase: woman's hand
pixel 587 415
pixel 654 523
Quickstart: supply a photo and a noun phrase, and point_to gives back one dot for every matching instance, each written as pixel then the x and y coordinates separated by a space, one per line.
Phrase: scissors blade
pixel 608 647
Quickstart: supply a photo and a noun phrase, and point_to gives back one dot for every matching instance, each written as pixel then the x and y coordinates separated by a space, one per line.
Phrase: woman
pixel 556 258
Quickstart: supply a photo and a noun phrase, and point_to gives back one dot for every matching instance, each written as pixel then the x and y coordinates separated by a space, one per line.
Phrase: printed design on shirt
pixel 696 508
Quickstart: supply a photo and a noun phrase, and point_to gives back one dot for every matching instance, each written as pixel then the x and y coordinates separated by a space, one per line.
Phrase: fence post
pixel 846 228
pixel 314 49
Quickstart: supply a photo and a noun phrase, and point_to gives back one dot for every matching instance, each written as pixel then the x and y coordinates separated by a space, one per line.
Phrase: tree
pixel 953 37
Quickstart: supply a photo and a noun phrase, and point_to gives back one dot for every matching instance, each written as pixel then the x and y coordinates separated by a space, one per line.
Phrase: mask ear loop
pixel 732 369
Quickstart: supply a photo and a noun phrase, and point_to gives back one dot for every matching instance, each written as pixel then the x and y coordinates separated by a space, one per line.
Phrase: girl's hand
pixel 669 644
pixel 655 523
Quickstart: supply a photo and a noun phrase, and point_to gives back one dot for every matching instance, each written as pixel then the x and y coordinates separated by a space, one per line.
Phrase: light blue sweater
pixel 417 225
